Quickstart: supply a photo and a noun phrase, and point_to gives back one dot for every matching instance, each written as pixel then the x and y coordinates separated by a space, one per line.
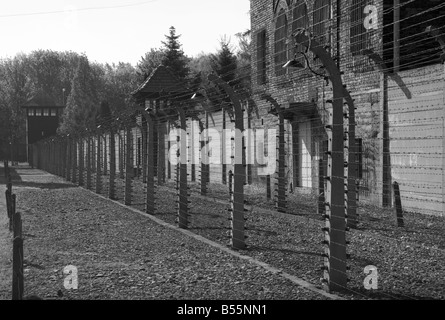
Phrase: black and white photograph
pixel 221 159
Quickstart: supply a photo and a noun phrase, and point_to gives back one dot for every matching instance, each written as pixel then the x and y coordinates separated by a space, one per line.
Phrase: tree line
pixel 91 90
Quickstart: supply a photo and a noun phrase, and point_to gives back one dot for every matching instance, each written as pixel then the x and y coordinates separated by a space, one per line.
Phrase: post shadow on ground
pixel 17 180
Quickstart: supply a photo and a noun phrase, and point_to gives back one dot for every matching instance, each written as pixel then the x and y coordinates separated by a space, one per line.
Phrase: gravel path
pixel 120 254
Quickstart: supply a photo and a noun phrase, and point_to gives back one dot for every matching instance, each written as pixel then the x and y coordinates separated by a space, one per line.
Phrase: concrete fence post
pixel 74 163
pixel 321 193
pixel 204 154
pixel 17 269
pixel 128 166
pixel 150 205
pixel 105 155
pixel 112 182
pixel 88 164
pixel 335 277
pixel 98 157
pixel 280 191
pixel 81 161
pixel 68 158
pixel 238 221
pixel 183 214
pixel 398 205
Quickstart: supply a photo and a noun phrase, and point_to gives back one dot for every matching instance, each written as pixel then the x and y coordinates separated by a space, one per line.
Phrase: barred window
pixel 359 37
pixel 280 43
pixel 301 20
pixel 321 26
pixel 261 57
pixel 322 15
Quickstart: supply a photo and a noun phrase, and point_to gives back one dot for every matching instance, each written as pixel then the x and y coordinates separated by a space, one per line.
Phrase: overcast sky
pixel 118 30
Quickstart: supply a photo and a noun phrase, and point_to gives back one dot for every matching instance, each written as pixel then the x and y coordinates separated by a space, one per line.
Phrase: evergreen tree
pixel 80 111
pixel 224 63
pixel 174 57
pixel 244 69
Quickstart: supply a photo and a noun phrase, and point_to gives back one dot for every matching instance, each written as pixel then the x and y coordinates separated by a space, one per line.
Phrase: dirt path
pixel 122 254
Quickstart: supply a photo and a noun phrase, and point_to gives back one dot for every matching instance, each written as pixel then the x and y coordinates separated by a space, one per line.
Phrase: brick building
pixel 391 68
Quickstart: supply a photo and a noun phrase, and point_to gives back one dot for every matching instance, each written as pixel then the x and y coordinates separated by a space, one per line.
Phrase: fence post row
pixel 238 222
pixel 335 277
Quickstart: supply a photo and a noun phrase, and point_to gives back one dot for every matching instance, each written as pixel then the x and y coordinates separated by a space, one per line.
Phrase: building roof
pixel 162 81
pixel 40 100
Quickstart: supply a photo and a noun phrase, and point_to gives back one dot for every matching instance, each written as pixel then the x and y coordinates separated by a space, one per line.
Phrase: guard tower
pixel 42 119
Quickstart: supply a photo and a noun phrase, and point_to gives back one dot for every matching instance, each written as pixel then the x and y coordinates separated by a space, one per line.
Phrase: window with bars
pixel 321 24
pixel 300 20
pixel 322 15
pixel 280 57
pixel 261 57
pixel 359 37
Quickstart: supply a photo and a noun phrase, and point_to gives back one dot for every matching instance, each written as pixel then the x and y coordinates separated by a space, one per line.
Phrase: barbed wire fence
pixel 339 150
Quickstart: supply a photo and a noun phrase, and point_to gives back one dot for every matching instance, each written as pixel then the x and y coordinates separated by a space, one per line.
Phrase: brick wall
pixel 361 76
